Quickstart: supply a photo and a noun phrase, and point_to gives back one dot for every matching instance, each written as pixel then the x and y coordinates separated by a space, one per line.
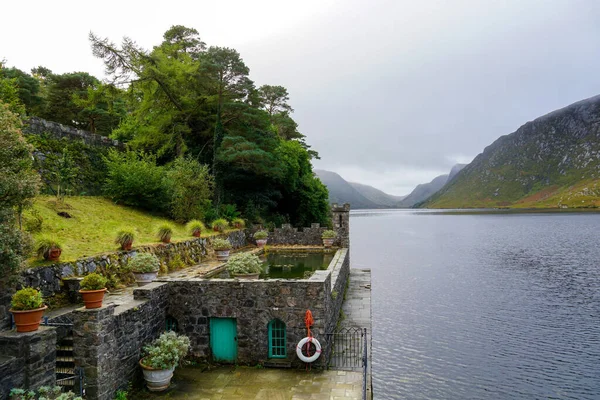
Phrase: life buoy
pixel 301 344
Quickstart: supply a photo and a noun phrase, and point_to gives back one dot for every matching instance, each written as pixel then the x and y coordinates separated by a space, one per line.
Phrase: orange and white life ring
pixel 301 344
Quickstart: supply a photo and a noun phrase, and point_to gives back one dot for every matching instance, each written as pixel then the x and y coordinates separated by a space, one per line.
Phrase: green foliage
pixel 43 393
pixel 229 212
pixel 190 186
pixel 328 234
pixel 121 395
pixel 93 281
pixel 220 224
pixel 63 173
pixel 244 263
pixel 35 222
pixel 238 223
pixel 27 299
pixel 9 93
pixel 167 351
pixel 143 263
pixel 134 179
pixel 221 244
pixel 164 232
pixel 261 235
pixel 195 226
pixel 44 244
pixel 125 236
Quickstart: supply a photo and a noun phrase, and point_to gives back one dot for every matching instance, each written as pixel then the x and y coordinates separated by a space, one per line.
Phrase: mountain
pixel 552 161
pixel 340 191
pixel 454 171
pixel 424 191
pixel 377 196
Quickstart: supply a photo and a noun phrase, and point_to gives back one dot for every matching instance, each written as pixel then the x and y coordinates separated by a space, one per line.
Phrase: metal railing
pixel 349 351
pixel 365 363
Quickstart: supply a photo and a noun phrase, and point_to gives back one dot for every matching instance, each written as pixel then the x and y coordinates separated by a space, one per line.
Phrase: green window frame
pixel 277 339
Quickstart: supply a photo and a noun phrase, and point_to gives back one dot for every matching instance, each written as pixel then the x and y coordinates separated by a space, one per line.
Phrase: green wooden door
pixel 223 339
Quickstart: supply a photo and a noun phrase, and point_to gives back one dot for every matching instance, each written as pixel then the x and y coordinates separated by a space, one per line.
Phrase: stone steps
pixel 65 364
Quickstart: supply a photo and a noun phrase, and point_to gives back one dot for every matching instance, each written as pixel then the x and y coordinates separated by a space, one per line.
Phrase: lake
pixel 482 306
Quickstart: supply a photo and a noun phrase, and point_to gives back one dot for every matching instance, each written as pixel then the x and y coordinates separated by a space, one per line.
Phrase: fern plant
pixel 195 227
pixel 164 232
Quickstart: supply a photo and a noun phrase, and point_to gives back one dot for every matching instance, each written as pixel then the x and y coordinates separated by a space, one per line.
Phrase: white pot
pixel 328 242
pixel 261 242
pixel 145 278
pixel 157 380
pixel 222 255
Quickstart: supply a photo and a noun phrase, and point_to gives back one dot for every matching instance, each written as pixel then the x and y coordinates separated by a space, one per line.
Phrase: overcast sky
pixel 390 93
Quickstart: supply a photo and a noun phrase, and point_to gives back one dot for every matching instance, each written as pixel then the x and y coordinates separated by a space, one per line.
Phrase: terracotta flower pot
pixel 53 254
pixel 127 245
pixel 93 298
pixel 196 233
pixel 261 242
pixel 28 320
pixel 166 240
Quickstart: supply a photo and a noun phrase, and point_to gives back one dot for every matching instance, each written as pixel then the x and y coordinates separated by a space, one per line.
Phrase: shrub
pixel 45 244
pixel 195 227
pixel 238 223
pixel 328 234
pixel 167 351
pixel 244 263
pixel 43 393
pixel 34 222
pixel 93 281
pixel 143 263
pixel 221 244
pixel 261 235
pixel 125 236
pixel 164 232
pixel 27 299
pixel 190 188
pixel 220 224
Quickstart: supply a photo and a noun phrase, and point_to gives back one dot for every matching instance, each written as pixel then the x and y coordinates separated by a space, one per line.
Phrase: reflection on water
pixel 482 305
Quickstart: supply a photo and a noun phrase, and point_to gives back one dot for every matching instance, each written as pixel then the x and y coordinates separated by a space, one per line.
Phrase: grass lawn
pixel 94 224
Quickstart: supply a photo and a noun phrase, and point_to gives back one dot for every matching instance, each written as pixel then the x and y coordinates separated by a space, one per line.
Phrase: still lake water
pixel 482 306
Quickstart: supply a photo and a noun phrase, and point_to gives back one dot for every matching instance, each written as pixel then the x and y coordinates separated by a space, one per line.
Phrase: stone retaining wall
pixel 39 126
pixel 27 360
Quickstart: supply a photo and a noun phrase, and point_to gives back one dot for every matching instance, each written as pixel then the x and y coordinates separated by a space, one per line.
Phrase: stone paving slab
pixel 260 384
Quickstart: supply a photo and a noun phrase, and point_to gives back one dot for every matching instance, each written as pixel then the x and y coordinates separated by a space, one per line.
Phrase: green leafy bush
pixel 221 244
pixel 238 223
pixel 34 222
pixel 244 263
pixel 328 234
pixel 195 227
pixel 167 351
pixel 164 232
pixel 43 393
pixel 125 236
pixel 143 263
pixel 190 187
pixel 220 224
pixel 27 299
pixel 45 244
pixel 261 235
pixel 93 281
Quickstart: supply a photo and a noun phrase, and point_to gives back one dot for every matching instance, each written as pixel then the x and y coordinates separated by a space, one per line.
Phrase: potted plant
pixel 261 238
pixel 164 232
pixel 48 248
pixel 195 227
pixel 238 223
pixel 244 266
pixel 145 268
pixel 221 247
pixel 328 238
pixel 125 238
pixel 160 359
pixel 92 289
pixel 219 225
pixel 27 307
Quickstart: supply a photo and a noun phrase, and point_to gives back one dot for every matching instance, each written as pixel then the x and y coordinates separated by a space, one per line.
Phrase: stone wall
pixel 107 341
pixel 5 297
pixel 27 360
pixel 39 126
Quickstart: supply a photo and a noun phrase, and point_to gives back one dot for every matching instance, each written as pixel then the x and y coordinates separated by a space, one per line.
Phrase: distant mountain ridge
pixel 377 196
pixel 340 191
pixel 552 161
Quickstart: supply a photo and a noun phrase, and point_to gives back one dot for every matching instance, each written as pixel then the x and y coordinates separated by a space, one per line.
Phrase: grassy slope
pixel 94 225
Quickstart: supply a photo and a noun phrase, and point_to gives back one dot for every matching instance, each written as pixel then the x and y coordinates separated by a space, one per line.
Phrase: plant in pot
pixel 244 266
pixel 221 247
pixel 219 225
pixel 125 238
pixel 238 223
pixel 195 227
pixel 92 289
pixel 48 248
pixel 160 359
pixel 328 238
pixel 164 232
pixel 261 238
pixel 27 307
pixel 144 267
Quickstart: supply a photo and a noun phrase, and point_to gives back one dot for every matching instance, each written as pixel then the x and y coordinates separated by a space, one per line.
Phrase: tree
pixel 63 172
pixel 190 186
pixel 275 100
pixel 18 185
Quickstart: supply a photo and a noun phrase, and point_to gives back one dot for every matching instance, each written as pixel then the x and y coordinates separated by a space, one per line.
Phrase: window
pixel 277 339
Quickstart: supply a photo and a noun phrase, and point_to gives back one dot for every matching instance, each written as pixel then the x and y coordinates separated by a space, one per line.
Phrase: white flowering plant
pixel 166 352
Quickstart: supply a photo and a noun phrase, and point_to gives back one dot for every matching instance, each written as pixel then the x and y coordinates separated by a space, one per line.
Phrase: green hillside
pixel 93 225
pixel 551 162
